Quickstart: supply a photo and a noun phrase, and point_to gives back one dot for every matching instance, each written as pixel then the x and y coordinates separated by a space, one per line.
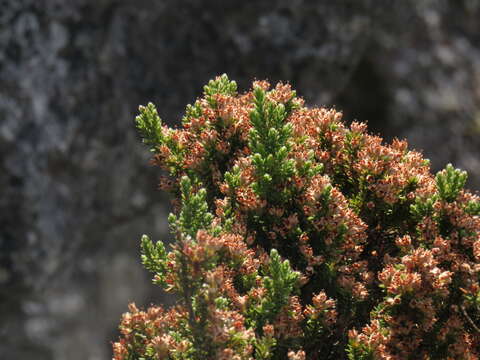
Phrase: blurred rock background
pixel 76 190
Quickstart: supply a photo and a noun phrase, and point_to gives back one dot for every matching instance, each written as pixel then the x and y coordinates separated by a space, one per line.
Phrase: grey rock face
pixel 76 188
pixel 420 79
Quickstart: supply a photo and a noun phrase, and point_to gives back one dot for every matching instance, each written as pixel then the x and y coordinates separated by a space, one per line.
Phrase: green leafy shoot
pixel 358 351
pixel 473 208
pixel 149 125
pixel 450 182
pixel 269 140
pixel 154 258
pixel 220 85
pixel 192 112
pixel 280 281
pixel 422 208
pixel 264 347
pixel 194 214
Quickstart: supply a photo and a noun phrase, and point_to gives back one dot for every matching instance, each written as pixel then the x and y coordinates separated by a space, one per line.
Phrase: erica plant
pixel 298 237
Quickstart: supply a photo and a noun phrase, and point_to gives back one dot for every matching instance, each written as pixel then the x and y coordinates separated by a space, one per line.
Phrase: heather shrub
pixel 298 237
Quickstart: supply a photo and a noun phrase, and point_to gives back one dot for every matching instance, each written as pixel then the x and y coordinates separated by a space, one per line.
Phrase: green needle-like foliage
pixel 194 214
pixel 154 258
pixel 219 86
pixel 269 142
pixel 449 183
pixel 149 125
pixel 279 282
